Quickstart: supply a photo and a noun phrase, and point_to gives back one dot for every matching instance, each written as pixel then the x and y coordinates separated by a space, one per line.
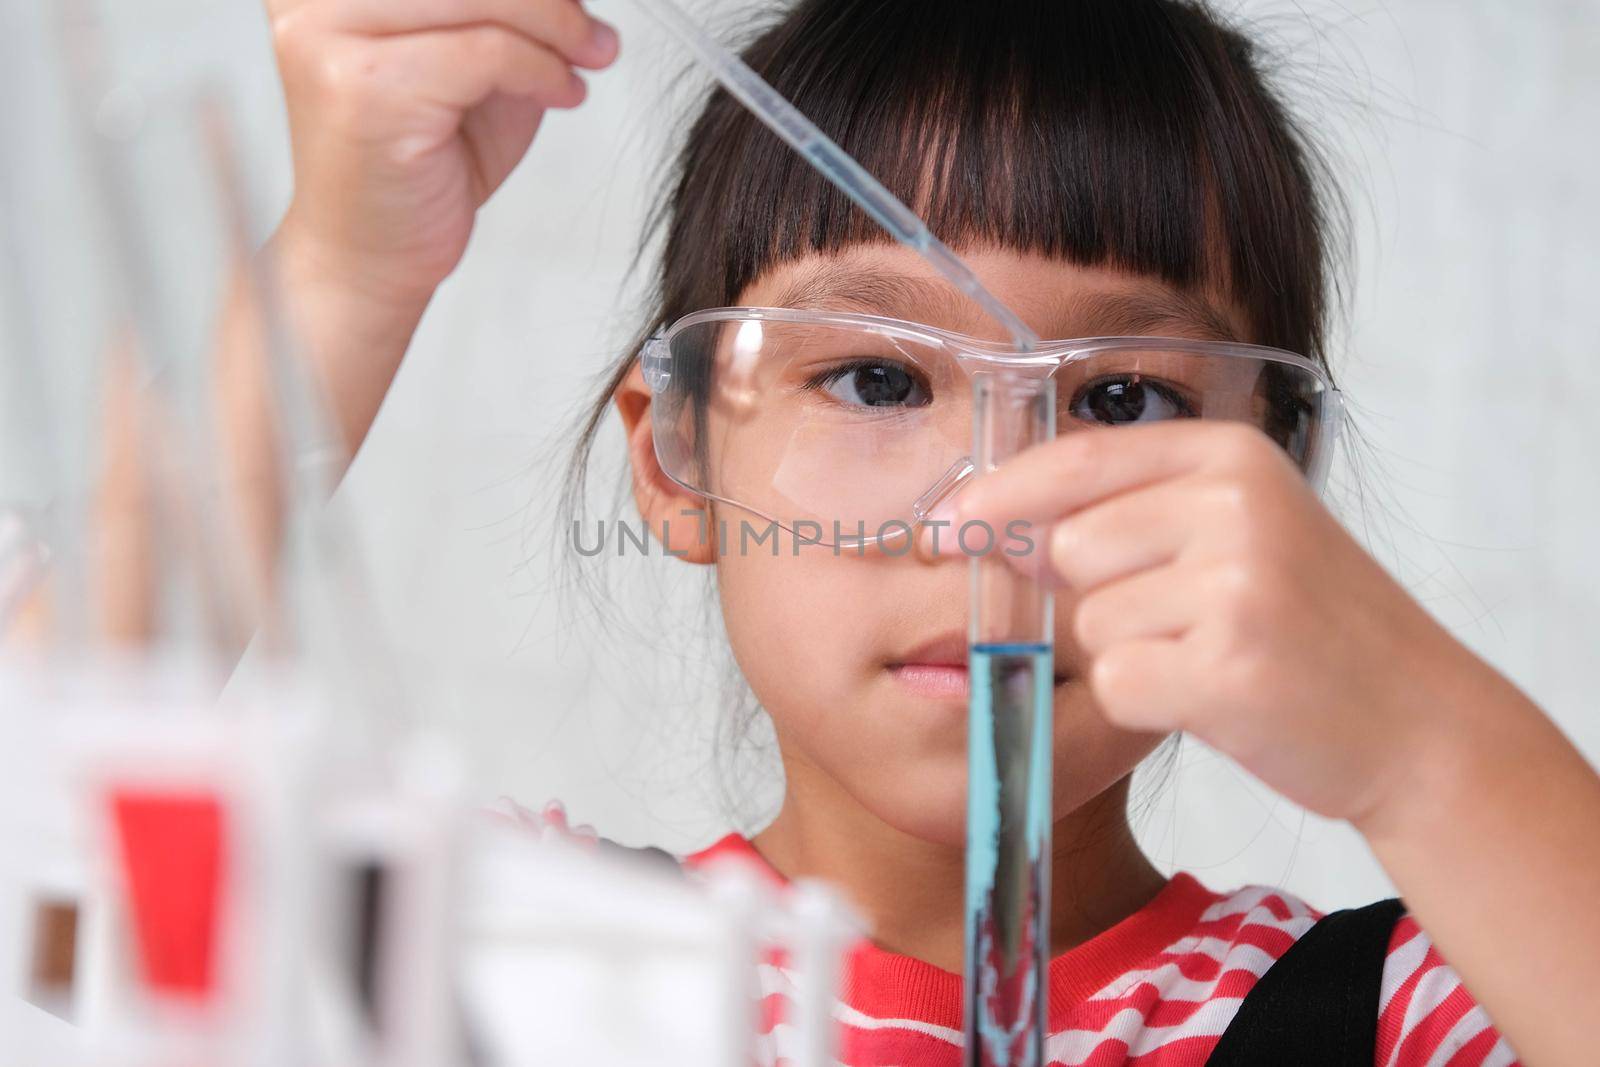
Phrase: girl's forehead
pixel 1059 299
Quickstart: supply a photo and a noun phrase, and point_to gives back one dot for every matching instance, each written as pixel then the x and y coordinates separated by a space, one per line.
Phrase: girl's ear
pixel 679 519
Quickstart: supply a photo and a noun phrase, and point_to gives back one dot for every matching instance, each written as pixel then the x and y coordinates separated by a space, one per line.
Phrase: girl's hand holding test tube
pixel 1210 592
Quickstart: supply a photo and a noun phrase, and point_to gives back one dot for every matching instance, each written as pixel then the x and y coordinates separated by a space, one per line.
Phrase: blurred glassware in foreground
pixel 222 839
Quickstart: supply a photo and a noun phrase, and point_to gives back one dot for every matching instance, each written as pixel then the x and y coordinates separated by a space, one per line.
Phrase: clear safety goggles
pixel 848 429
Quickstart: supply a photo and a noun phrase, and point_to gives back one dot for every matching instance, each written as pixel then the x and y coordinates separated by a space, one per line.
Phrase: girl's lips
pixel 933 680
pixel 939 681
pixel 937 669
pixel 948 649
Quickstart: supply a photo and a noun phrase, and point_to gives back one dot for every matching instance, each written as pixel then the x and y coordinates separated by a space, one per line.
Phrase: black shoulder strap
pixel 1317 1006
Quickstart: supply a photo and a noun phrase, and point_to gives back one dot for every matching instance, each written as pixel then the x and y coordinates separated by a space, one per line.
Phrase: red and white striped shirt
pixel 1155 990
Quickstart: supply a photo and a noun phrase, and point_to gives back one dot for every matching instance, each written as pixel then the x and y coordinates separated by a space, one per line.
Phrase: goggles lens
pixel 848 426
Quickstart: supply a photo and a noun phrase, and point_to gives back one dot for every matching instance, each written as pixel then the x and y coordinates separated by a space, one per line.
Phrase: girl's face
pixel 860 658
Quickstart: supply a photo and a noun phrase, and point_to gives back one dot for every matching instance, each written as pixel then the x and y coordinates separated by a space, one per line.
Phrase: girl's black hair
pixel 1137 134
pixel 1141 135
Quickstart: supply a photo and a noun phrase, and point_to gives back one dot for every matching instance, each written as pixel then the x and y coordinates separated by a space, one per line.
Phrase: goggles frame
pixel 976 355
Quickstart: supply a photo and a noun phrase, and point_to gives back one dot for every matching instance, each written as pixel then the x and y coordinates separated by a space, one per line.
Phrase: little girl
pixel 1110 168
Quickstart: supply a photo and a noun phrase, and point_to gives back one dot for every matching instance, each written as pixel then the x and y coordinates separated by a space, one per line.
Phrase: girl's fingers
pixel 500 130
pixel 1144 685
pixel 1126 534
pixel 1160 603
pixel 1066 475
pixel 462 68
pixel 562 25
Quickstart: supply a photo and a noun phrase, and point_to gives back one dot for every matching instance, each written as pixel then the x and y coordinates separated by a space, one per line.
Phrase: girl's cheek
pixel 792 622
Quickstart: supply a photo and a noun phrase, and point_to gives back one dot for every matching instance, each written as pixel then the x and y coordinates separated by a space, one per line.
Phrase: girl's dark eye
pixel 1122 399
pixel 874 384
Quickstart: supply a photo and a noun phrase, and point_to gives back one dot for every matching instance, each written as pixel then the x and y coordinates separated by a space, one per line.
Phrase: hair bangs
pixel 1136 134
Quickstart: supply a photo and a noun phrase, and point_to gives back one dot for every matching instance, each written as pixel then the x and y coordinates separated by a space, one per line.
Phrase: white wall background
pixel 1467 133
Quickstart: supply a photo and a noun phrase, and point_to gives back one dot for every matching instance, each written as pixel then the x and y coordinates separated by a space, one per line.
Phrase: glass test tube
pixel 1010 664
